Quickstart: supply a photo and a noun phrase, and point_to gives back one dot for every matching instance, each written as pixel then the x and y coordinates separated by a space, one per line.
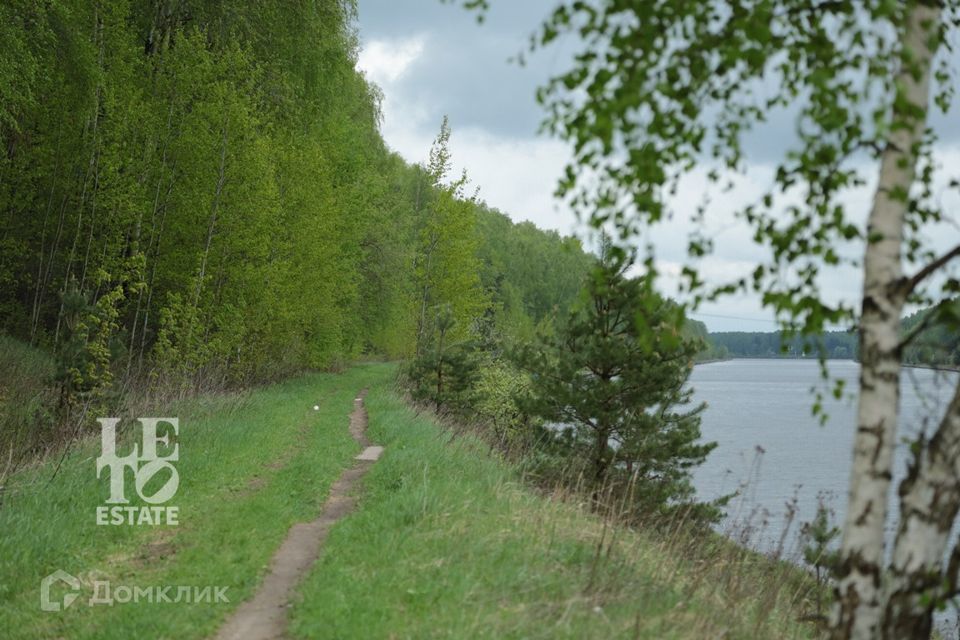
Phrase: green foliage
pixel 498 389
pixel 84 363
pixel 614 374
pixel 531 274
pixel 710 350
pixel 443 373
pixel 933 336
pixel 821 536
pixel 199 190
pixel 659 89
pixel 447 271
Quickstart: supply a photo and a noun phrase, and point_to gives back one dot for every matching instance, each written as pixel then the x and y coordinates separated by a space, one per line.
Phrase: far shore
pixel 934 367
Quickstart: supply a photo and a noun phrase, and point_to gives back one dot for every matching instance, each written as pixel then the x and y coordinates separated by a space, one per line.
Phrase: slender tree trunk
pixel 601 442
pixel 929 501
pixel 92 222
pixel 38 291
pixel 214 212
pixel 93 128
pixel 164 23
pixel 137 238
pixel 153 259
pixel 211 232
pixel 859 599
pixel 438 402
pixel 95 192
pixel 425 297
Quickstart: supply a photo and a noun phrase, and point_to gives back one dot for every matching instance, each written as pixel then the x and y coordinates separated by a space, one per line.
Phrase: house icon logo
pixel 46 604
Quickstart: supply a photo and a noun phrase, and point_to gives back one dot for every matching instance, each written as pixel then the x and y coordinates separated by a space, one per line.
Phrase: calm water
pixel 775 452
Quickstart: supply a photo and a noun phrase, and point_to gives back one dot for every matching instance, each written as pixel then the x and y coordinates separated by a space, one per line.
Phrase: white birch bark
pixel 859 602
pixel 929 500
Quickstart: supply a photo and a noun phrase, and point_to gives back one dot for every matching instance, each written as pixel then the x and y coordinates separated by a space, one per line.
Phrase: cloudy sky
pixel 433 59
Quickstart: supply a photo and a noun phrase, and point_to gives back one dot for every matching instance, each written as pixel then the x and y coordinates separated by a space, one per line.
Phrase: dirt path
pixel 265 615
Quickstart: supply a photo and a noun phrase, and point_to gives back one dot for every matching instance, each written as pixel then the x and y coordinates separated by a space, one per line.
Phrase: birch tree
pixel 660 89
pixel 447 269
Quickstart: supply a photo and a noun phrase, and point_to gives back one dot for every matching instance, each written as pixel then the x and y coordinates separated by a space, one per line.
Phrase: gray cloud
pixel 465 72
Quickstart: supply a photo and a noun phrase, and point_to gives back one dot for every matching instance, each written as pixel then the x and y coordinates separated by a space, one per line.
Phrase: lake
pixel 772 449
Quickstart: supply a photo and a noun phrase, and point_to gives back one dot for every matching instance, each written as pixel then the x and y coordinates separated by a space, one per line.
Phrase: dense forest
pixel 196 193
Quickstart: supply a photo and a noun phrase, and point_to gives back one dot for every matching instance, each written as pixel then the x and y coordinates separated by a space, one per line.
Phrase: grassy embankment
pixel 446 543
pixel 449 543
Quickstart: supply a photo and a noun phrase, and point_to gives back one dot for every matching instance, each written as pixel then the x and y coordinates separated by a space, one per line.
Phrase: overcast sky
pixel 433 59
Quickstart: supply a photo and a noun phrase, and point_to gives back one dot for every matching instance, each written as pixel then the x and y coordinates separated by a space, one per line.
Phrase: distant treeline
pixel 711 350
pixel 770 344
pixel 931 343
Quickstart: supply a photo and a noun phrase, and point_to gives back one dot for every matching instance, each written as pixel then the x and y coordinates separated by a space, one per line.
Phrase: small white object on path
pixel 264 615
pixel 370 453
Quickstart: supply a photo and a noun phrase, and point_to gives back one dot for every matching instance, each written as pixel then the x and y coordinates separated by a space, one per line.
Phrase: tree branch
pixel 910 284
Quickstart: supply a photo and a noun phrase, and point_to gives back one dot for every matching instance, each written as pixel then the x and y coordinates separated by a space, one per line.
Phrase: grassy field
pixel 446 543
pixel 250 466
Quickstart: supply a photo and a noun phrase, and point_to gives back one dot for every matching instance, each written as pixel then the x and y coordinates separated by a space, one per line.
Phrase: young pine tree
pixel 615 372
pixel 820 550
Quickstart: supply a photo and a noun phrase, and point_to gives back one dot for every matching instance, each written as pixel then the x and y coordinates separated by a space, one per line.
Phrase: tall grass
pixel 450 542
pixel 251 465
pixel 38 420
pixel 27 403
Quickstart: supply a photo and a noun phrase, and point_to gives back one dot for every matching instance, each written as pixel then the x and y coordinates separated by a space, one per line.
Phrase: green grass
pixel 249 468
pixel 449 544
pixel 27 398
pixel 447 541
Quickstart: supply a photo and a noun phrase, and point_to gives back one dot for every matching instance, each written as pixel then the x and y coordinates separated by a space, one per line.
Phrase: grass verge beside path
pixel 249 468
pixel 448 544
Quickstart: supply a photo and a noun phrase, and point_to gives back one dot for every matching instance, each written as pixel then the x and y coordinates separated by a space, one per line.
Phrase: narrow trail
pixel 264 617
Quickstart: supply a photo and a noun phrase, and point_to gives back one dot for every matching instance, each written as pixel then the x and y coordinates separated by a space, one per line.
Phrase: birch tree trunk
pixel 929 500
pixel 859 606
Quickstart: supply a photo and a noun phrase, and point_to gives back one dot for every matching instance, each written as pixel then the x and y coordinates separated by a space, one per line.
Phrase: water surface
pixel 775 451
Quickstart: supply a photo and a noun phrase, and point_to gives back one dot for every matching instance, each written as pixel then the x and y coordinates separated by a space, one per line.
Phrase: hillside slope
pixel 446 542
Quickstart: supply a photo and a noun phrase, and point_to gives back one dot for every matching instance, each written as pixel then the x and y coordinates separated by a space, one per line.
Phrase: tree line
pixel 928 336
pixel 774 344
pixel 196 193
